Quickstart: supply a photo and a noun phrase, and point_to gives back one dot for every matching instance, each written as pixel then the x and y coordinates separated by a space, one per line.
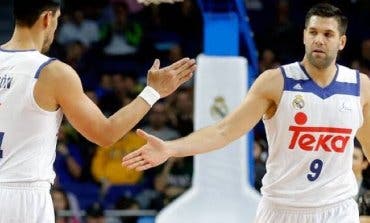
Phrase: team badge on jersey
pixel 298 102
pixel 219 108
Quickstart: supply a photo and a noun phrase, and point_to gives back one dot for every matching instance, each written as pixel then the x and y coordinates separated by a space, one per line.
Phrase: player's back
pixel 27 132
pixel 311 139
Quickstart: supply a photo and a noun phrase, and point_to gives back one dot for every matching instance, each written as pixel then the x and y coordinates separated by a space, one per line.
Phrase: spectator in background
pixel 121 36
pixel 362 63
pixel 68 160
pixel 62 202
pixel 78 29
pixel 268 60
pixel 105 86
pixel 157 123
pixel 172 181
pixel 128 204
pixel 259 151
pixel 365 57
pixel 95 214
pixel 74 54
pixel 359 165
pixel 181 111
pixel 106 164
pixel 121 86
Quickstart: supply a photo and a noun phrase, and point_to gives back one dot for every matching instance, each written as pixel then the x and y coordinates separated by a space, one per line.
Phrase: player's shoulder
pixel 364 88
pixel 58 67
pixel 270 83
pixel 272 73
pixel 364 79
pixel 271 76
pixel 57 71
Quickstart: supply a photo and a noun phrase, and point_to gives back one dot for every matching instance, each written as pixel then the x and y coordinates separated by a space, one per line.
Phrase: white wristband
pixel 150 95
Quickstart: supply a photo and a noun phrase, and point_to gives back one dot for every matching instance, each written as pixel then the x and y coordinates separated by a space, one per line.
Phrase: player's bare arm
pixel 63 87
pixel 262 99
pixel 363 132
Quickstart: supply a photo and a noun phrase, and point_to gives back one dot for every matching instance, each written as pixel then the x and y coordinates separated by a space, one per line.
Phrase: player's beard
pixel 322 62
pixel 46 45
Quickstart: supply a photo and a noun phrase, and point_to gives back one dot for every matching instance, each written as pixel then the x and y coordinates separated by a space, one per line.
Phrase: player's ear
pixel 342 42
pixel 304 39
pixel 46 17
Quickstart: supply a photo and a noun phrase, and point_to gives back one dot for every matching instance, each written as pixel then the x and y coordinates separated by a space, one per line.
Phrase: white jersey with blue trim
pixel 310 139
pixel 28 133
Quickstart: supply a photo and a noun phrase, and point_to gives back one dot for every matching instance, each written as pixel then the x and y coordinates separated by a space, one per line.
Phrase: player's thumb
pixel 142 134
pixel 154 141
pixel 155 65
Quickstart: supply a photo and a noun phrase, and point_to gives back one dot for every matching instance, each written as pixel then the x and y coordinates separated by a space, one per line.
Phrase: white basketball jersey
pixel 28 133
pixel 311 139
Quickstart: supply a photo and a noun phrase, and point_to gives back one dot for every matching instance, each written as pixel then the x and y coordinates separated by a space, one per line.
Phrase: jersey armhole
pixel 31 95
pixel 283 73
pixel 37 74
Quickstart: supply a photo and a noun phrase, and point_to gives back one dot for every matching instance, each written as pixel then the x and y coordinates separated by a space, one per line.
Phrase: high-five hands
pixel 153 153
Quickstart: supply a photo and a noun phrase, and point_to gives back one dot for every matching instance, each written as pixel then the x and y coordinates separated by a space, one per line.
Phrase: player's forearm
pixel 202 141
pixel 125 119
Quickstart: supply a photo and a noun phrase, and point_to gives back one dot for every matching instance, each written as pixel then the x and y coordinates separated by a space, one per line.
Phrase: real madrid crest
pixel 219 108
pixel 298 102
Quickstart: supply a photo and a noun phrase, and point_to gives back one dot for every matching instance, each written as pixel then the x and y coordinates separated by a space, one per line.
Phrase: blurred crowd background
pixel 112 44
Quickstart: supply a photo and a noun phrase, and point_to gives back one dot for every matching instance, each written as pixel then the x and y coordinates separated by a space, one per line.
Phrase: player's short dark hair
pixel 328 11
pixel 26 12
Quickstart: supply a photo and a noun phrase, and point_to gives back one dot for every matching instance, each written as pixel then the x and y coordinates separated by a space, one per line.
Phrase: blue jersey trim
pixel 285 78
pixel 42 66
pixel 358 82
pixel 310 86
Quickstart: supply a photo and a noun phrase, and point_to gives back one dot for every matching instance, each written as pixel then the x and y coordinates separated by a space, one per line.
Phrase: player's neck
pixel 322 76
pixel 24 39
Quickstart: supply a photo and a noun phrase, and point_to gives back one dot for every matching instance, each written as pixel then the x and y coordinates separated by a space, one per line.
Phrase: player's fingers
pixel 137 164
pixel 132 160
pixel 144 167
pixel 131 155
pixel 185 73
pixel 186 78
pixel 188 65
pixel 177 64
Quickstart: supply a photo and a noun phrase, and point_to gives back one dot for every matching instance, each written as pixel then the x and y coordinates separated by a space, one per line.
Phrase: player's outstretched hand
pixel 152 154
pixel 167 79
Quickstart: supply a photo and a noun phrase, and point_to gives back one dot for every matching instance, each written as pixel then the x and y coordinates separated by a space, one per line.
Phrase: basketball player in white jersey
pixel 312 110
pixel 34 92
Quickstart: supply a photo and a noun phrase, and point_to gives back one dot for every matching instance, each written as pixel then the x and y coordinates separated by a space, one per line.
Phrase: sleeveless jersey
pixel 310 139
pixel 28 133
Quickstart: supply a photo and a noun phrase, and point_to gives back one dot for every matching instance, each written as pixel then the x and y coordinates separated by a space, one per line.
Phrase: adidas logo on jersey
pixel 298 87
pixel 307 138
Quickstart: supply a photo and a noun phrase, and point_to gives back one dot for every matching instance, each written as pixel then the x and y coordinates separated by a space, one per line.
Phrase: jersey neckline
pixel 15 51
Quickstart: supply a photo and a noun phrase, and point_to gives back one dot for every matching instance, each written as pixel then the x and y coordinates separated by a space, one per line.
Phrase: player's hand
pixel 167 79
pixel 152 154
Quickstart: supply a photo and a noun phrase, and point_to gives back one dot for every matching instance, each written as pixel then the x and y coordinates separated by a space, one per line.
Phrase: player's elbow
pixel 104 139
pixel 104 135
